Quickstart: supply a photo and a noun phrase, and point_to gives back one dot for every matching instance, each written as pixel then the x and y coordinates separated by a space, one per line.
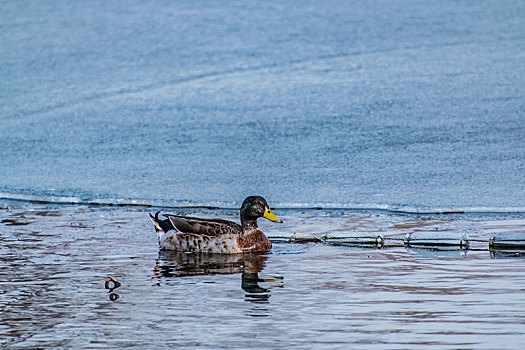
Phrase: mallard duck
pixel 188 234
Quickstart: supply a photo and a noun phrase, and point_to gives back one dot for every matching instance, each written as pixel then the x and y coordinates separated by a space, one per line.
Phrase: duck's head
pixel 255 207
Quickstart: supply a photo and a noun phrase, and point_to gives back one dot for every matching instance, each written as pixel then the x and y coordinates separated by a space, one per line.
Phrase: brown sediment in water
pixel 419 223
pixel 506 226
pixel 359 222
pixel 37 213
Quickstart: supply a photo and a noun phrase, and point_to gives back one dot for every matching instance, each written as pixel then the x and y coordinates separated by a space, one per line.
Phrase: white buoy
pixel 356 239
pixel 507 241
pixel 437 239
pixel 296 238
pixel 349 239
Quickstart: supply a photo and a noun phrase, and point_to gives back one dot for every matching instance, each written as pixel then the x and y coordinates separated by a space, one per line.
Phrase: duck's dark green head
pixel 255 207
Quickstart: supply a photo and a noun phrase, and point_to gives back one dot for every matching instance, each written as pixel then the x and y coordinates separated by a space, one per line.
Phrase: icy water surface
pixel 55 261
pixel 412 104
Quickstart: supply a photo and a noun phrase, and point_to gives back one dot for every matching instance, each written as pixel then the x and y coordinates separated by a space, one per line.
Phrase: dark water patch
pixel 15 222
pixel 507 254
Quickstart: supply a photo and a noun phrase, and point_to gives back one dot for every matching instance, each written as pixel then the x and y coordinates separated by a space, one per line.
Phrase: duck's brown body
pixel 229 243
pixel 253 241
pixel 190 234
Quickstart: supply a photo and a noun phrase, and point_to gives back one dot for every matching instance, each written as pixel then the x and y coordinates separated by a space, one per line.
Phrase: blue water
pixel 381 112
pixel 402 104
pixel 55 259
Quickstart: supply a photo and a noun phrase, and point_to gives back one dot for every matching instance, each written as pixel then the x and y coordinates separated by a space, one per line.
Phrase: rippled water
pixel 55 261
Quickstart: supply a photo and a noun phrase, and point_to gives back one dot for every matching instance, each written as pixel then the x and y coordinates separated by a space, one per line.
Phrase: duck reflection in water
pixel 179 264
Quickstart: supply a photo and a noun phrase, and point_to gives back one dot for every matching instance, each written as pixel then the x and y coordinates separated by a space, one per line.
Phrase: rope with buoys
pixel 415 239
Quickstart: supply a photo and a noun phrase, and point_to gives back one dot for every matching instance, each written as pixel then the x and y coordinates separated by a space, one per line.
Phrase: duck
pixel 197 235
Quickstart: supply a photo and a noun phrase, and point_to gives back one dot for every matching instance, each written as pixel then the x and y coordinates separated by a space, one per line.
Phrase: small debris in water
pixel 112 283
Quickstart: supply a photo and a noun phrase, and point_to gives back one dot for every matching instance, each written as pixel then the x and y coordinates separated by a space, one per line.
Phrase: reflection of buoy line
pixel 422 239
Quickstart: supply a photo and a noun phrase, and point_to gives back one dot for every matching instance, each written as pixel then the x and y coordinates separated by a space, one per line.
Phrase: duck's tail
pixel 156 222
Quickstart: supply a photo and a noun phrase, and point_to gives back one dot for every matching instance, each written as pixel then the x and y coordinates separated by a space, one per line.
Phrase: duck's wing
pixel 208 227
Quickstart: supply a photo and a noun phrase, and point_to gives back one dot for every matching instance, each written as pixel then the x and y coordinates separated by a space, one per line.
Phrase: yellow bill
pixel 270 216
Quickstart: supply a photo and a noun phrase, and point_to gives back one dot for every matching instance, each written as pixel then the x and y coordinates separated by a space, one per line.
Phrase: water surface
pixel 55 261
pixel 403 104
pixel 382 113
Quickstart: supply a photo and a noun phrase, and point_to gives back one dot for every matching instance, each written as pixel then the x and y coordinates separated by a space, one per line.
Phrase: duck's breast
pixel 253 241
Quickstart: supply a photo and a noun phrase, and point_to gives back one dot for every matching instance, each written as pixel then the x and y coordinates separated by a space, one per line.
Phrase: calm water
pixel 365 109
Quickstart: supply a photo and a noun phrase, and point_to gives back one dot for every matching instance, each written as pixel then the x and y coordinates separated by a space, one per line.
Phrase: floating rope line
pixel 357 240
pixel 425 239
